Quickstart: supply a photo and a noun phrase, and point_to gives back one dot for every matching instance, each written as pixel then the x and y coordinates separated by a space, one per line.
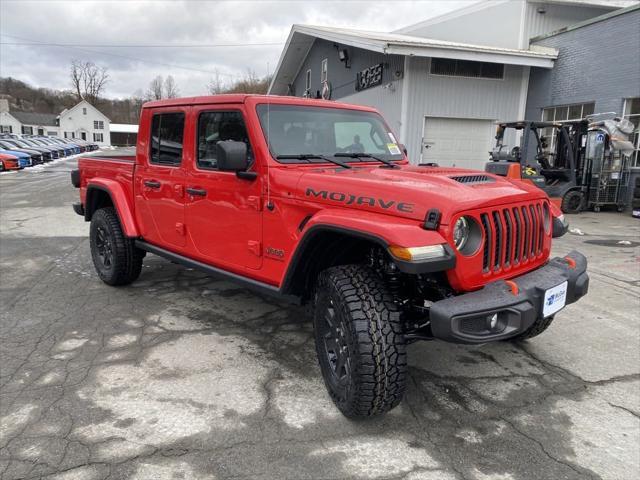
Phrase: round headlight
pixel 461 233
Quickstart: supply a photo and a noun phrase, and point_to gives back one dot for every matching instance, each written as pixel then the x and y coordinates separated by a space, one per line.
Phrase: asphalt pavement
pixel 182 376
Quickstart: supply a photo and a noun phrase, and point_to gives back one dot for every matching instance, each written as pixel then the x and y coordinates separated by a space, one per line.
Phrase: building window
pixel 307 83
pixel 563 113
pixel 631 112
pixel 73 134
pixel 84 111
pixel 27 130
pixel 98 137
pixel 167 131
pixel 98 125
pixel 6 129
pixel 466 68
pixel 52 134
pixel 323 71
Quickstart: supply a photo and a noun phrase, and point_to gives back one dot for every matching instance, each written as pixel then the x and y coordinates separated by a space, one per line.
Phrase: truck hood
pixel 410 191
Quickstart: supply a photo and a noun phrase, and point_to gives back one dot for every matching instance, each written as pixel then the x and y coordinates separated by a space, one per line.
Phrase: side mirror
pixel 232 156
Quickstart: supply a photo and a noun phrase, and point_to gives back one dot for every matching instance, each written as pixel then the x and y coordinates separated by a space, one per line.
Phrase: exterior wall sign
pixel 369 77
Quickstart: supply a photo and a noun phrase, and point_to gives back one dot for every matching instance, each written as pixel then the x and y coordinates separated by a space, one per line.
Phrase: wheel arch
pixel 316 251
pixel 100 195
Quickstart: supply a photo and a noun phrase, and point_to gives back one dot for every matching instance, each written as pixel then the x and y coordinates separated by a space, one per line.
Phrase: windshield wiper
pixel 388 163
pixel 311 156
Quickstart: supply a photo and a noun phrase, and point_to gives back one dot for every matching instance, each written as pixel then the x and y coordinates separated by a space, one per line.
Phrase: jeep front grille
pixel 512 236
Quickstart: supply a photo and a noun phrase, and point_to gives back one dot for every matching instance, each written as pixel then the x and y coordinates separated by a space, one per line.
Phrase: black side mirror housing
pixel 232 156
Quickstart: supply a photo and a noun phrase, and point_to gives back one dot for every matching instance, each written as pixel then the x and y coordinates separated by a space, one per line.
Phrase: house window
pixel 52 134
pixel 84 111
pixel 73 134
pixel 6 129
pixel 307 84
pixel 563 113
pixel 98 137
pixel 323 71
pixel 98 125
pixel 27 130
pixel 466 68
pixel 632 113
pixel 167 131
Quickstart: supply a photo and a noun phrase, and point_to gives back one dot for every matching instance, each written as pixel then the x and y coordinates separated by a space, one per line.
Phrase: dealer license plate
pixel 554 299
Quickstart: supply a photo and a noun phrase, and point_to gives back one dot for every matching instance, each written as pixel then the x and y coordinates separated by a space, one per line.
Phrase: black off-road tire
pixel 539 326
pixel 370 376
pixel 116 259
pixel 572 202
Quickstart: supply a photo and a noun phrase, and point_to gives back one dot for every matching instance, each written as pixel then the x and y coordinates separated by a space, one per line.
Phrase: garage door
pixel 458 142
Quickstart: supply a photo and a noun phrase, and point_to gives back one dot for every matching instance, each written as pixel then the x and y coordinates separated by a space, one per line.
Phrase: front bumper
pixel 466 318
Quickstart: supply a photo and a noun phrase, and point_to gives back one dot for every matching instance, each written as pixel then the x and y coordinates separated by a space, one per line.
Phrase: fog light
pixel 492 321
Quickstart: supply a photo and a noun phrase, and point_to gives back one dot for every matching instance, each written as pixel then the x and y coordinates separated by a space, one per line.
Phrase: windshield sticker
pixel 393 139
pixel 393 149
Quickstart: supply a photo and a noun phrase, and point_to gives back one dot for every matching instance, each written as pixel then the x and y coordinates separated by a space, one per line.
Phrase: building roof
pixel 123 128
pixel 481 5
pixel 591 21
pixel 301 39
pixel 86 104
pixel 29 118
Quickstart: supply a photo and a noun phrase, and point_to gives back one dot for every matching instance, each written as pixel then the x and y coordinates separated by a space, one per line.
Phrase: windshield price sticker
pixel 393 149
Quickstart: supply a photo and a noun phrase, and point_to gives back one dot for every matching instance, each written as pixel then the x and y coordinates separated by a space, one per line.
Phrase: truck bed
pixel 121 154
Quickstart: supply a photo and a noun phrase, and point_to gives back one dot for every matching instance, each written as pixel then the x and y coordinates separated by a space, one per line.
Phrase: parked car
pixel 76 148
pixel 9 162
pixel 24 159
pixel 53 152
pixel 57 148
pixel 21 144
pixel 68 149
pixel 36 156
pixel 315 202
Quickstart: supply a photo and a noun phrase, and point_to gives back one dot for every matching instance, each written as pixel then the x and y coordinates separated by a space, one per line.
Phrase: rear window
pixel 167 133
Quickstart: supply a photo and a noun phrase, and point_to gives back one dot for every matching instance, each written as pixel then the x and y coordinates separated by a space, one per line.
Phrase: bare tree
pixel 156 89
pixel 88 80
pixel 170 88
pixel 216 85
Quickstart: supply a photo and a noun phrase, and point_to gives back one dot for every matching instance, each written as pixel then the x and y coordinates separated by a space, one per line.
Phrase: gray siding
pixel 597 62
pixel 343 80
pixel 454 97
pixel 501 24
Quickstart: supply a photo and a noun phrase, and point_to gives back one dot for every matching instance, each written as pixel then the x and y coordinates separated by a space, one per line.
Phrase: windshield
pixel 293 130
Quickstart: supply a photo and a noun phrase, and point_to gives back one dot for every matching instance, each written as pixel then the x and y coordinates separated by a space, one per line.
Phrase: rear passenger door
pixel 159 179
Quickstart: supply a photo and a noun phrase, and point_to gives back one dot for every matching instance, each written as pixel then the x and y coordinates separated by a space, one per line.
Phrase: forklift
pixel 571 171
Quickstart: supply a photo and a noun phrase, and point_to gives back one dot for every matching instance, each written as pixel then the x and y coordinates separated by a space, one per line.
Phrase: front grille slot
pixel 512 236
pixel 484 218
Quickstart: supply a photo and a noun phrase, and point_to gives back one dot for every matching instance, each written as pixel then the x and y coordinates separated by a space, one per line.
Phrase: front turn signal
pixel 417 254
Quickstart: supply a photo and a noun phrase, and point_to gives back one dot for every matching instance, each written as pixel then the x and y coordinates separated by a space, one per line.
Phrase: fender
pixel 120 201
pixel 380 229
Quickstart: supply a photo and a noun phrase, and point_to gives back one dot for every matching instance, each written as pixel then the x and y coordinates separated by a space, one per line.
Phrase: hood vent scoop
pixel 472 179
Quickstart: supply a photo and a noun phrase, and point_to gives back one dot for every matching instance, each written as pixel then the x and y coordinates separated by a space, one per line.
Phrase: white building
pixel 442 84
pixel 86 122
pixel 83 121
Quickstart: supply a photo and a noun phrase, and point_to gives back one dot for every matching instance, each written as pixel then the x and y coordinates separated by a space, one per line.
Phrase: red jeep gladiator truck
pixel 315 201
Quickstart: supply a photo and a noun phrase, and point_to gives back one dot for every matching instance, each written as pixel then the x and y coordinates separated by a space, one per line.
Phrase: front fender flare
pixel 120 201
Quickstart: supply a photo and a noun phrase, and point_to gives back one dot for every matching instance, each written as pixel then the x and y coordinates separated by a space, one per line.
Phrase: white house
pixel 441 84
pixel 86 122
pixel 83 121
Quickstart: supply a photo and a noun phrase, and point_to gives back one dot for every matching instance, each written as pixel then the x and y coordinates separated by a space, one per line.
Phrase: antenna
pixel 269 204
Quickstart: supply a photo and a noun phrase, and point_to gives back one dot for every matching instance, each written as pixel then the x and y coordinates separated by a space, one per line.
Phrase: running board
pixel 248 283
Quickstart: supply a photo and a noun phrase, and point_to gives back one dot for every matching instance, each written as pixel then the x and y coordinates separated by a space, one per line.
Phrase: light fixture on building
pixel 343 55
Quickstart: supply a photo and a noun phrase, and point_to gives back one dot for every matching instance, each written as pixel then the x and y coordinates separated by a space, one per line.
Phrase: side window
pixel 214 127
pixel 167 131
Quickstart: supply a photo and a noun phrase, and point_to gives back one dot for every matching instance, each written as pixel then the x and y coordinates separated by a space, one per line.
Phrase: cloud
pixel 113 34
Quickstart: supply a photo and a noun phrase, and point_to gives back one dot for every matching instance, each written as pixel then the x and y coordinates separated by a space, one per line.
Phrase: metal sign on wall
pixel 369 77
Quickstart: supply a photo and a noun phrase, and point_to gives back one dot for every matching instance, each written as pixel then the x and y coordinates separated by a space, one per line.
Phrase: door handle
pixel 151 184
pixel 197 192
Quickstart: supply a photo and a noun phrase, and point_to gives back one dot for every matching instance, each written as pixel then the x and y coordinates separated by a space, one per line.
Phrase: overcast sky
pixel 117 33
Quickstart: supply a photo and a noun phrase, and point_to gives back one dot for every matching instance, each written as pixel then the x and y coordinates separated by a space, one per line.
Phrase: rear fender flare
pixel 120 202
